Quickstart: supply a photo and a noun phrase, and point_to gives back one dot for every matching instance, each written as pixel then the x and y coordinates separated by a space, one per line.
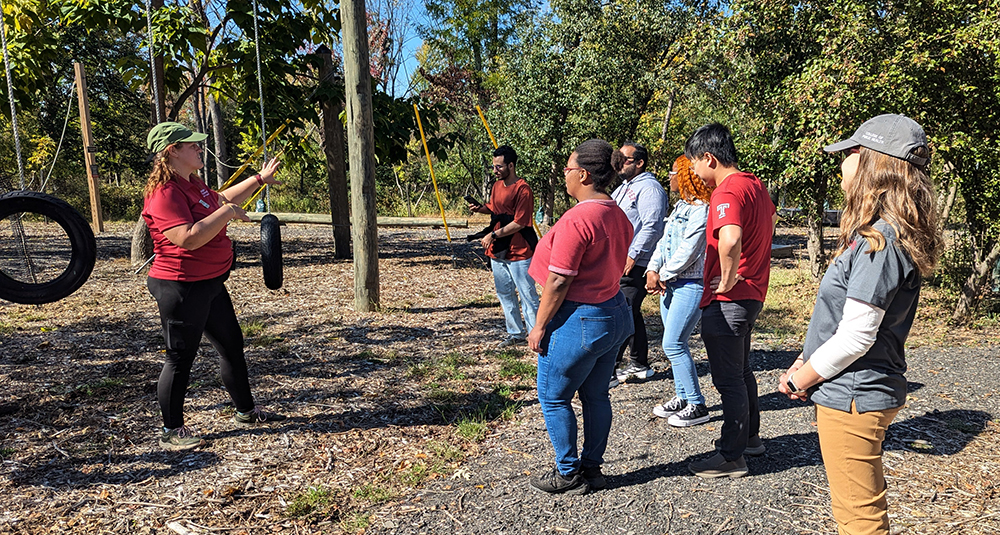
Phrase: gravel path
pixel 651 491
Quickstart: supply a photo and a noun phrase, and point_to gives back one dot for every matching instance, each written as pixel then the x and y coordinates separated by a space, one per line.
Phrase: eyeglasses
pixel 672 173
pixel 499 167
pixel 630 158
pixel 568 169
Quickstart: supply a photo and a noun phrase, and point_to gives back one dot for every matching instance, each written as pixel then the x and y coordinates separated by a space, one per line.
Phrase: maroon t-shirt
pixel 181 202
pixel 741 200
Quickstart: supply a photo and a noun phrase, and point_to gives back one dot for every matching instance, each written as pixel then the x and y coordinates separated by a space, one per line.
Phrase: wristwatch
pixel 791 386
pixel 494 233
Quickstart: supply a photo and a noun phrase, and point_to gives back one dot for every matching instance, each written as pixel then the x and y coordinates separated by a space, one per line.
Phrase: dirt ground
pixel 409 420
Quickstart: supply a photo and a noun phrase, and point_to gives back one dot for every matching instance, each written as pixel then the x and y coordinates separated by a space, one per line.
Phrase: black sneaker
pixel 257 415
pixel 634 370
pixel 594 477
pixel 668 409
pixel 754 447
pixel 180 439
pixel 555 483
pixel 690 415
pixel 717 466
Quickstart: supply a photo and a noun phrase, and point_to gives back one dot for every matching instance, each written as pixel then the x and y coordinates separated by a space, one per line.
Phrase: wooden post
pixel 93 173
pixel 361 149
pixel 336 161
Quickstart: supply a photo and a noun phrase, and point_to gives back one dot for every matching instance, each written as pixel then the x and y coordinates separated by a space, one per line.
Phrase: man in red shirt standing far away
pixel 741 222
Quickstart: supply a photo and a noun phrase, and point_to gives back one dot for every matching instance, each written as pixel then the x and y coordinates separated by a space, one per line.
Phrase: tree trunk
pixel 814 222
pixel 332 135
pixel 975 286
pixel 159 108
pixel 219 133
pixel 361 150
pixel 142 243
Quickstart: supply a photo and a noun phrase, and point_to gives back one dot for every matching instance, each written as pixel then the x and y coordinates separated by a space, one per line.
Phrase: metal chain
pixel 152 62
pixel 260 91
pixel 10 96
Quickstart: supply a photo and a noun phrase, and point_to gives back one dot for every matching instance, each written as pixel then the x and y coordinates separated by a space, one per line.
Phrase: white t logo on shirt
pixel 722 209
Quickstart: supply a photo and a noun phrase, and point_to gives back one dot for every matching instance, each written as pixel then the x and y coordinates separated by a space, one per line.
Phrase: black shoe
pixel 555 483
pixel 594 477
pixel 257 415
pixel 754 447
pixel 718 466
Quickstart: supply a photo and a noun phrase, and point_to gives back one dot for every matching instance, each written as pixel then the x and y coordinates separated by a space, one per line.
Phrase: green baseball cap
pixel 165 134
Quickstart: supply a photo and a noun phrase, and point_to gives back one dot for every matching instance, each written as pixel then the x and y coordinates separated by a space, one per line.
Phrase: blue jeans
pixel 578 355
pixel 511 278
pixel 680 313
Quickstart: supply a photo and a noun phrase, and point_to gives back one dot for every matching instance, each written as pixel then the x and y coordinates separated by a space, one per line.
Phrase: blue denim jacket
pixel 680 253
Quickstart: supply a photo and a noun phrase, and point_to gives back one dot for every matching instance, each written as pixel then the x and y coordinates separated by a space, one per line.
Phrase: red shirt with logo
pixel 182 202
pixel 741 200
pixel 518 201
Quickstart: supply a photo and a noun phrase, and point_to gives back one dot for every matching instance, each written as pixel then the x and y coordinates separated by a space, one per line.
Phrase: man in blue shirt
pixel 643 200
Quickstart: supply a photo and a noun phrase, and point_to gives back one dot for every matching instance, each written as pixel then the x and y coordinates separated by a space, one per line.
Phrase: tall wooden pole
pixel 336 162
pixel 361 151
pixel 93 173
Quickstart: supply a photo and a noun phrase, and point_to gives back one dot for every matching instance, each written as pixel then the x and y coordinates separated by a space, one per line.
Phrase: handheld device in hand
pixel 472 200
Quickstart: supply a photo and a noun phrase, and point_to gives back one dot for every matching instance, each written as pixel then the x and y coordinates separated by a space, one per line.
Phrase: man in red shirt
pixel 511 244
pixel 741 222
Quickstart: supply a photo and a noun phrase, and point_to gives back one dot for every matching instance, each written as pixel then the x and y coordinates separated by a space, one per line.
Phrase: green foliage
pixel 512 365
pixel 314 501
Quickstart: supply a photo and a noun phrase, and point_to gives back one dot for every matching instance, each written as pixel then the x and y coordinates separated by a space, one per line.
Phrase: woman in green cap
pixel 187 222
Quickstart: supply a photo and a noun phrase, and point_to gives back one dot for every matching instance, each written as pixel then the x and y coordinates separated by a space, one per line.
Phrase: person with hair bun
pixel 583 318
pixel 853 359
pixel 675 272
pixel 187 222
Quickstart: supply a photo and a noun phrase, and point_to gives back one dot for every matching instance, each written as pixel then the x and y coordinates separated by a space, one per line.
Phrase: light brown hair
pixel 161 173
pixel 902 194
pixel 689 185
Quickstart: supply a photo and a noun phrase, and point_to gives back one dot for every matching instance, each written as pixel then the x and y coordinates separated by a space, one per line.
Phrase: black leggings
pixel 188 310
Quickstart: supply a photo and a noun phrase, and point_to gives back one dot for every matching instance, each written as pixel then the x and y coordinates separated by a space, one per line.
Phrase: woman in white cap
pixel 853 361
pixel 188 223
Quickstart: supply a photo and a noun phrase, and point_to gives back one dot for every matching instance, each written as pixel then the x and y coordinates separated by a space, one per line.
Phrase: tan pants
pixel 851 444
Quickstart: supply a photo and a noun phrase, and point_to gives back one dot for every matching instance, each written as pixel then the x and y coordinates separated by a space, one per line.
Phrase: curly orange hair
pixel 690 185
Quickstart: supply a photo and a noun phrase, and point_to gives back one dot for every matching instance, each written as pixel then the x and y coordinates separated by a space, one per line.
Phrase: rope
pixel 152 62
pixel 69 107
pixel 260 91
pixel 10 96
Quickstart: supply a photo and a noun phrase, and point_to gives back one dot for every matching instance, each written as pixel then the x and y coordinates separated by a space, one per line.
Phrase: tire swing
pixel 26 287
pixel 270 227
pixel 33 269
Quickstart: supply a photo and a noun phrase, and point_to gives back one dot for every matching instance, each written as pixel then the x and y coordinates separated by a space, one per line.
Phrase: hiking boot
pixel 634 370
pixel 511 341
pixel 594 477
pixel 668 409
pixel 693 414
pixel 754 447
pixel 718 466
pixel 180 439
pixel 257 415
pixel 555 483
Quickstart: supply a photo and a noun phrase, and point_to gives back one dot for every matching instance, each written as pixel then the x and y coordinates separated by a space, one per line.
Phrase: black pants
pixel 633 285
pixel 188 310
pixel 725 329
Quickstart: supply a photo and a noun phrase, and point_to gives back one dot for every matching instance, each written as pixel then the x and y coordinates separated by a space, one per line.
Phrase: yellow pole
pixel 254 155
pixel 483 117
pixel 431 167
pixel 494 140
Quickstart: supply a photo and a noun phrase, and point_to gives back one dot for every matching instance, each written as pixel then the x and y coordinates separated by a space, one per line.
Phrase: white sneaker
pixel 668 409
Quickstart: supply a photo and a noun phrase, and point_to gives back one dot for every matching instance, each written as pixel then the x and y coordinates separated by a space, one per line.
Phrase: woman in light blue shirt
pixel 675 272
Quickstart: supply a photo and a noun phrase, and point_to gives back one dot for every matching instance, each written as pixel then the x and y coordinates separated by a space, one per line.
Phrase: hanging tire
pixel 270 251
pixel 82 249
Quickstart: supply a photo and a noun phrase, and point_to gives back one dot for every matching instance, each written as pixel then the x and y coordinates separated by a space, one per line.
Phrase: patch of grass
pixel 6 328
pixel 267 340
pixel 441 395
pixel 446 452
pixel 415 474
pixel 428 295
pixel 385 357
pixel 6 453
pixel 448 367
pixel 418 370
pixel 355 522
pixel 511 365
pixel 101 387
pixel 252 327
pixel 471 428
pixel 29 316
pixel 372 493
pixel 313 500
pixel 487 299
